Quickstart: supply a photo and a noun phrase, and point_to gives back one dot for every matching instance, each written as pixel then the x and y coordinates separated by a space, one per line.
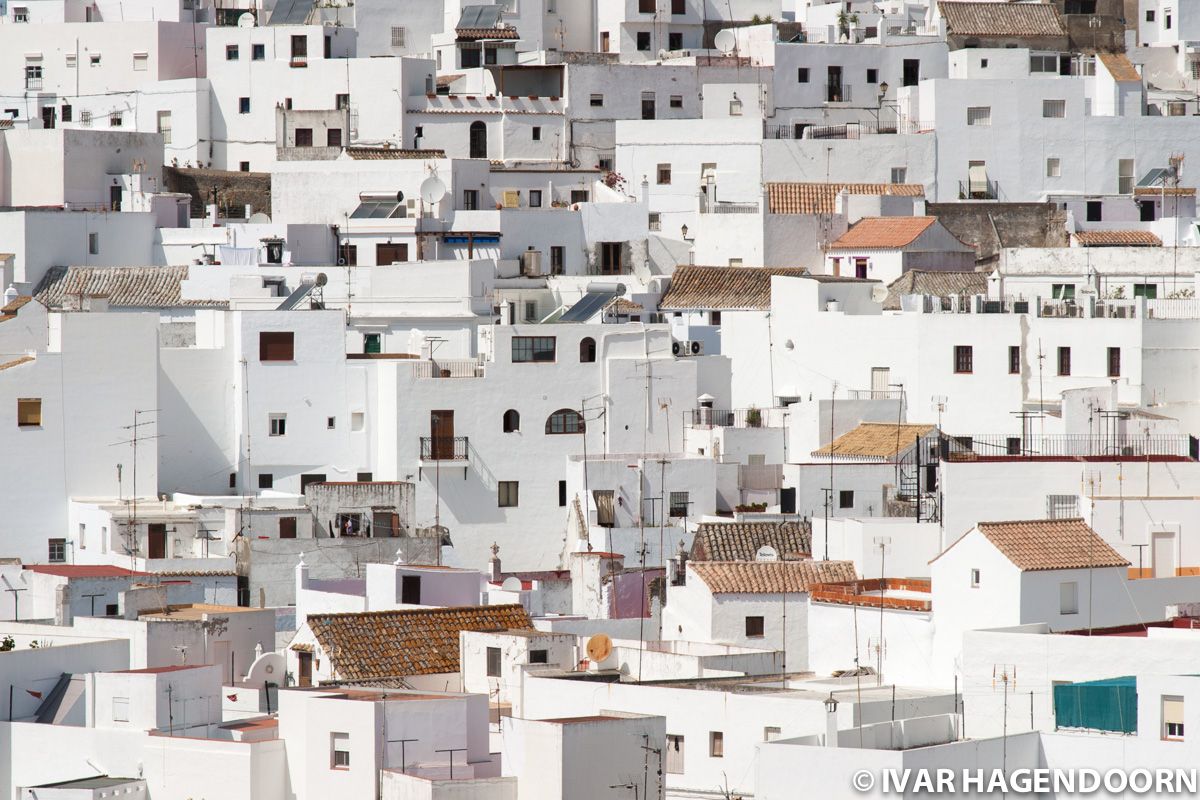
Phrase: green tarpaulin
pixel 1107 705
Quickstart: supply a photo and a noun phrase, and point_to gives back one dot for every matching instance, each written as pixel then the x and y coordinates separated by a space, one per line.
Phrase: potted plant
pixel 753 417
pixel 846 20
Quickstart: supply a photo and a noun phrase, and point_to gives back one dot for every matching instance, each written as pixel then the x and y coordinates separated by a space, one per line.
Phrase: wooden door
pixel 389 253
pixel 287 527
pixel 157 541
pixel 304 672
pixel 441 432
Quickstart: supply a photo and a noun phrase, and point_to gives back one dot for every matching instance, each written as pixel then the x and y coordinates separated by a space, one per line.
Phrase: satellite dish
pixel 512 584
pixel 599 647
pixel 246 20
pixel 725 41
pixel 259 218
pixel 879 293
pixel 321 279
pixel 766 553
pixel 432 189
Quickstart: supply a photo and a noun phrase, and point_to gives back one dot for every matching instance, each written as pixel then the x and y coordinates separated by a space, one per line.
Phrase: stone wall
pixel 992 226
pixel 235 190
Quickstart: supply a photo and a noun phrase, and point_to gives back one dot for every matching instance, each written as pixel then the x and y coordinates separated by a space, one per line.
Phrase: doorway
pixel 304 669
pixel 390 254
pixel 156 541
pixel 1162 553
pixel 441 433
pixel 478 142
pixel 410 589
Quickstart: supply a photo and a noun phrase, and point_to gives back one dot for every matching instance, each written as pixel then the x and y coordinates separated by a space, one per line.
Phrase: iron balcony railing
pixel 445 448
pixel 875 394
pixel 737 418
pixel 448 368
pixel 1068 445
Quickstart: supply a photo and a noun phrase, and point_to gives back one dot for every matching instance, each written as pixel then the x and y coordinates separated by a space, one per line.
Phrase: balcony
pixel 837 93
pixel 978 190
pixel 737 418
pixel 445 448
pixel 448 368
pixel 988 447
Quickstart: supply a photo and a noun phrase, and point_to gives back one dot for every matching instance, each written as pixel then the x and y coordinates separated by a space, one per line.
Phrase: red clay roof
pixel 1118 239
pixel 821 198
pixel 1120 67
pixel 883 233
pixel 769 577
pixel 83 570
pixel 1044 544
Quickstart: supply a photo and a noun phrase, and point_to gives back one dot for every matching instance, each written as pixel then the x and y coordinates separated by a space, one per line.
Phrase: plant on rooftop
pixel 750 507
pixel 7 643
pixel 1181 294
pixel 1117 293
pixel 753 417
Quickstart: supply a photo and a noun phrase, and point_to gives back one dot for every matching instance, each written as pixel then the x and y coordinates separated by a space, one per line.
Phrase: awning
pixel 977 179
pixel 605 512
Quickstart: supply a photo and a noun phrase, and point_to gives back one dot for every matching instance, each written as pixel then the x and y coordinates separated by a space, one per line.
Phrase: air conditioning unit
pixel 531 263
pixel 687 347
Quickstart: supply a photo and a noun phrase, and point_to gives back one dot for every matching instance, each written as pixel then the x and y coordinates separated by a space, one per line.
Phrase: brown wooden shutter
pixel 276 346
pixel 287 527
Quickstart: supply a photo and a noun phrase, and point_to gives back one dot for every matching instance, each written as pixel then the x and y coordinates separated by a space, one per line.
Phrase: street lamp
pixel 883 87
pixel 831 703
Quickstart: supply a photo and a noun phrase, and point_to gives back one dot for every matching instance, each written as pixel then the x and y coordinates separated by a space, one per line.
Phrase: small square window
pixel 676 101
pixel 754 627
pixel 116 119
pixel 244 166
pixel 94 59
pixel 243 105
pixel 364 477
pixel 664 174
pixel 964 359
pixel 1054 109
pixel 231 52
pixel 493 662
pixel 802 75
pixel 57 553
pixel 258 52
pixel 535 198
pixel 29 412
pixel 508 494
pixel 771 733
pixel 846 498
pixel 537 133
pixel 539 656
pixel 278 424
pixel 596 101
pixel 679 504
pixel 1053 168
pixel 983 63
pixel 899 174
pixel 643 41
pixel 266 480
pixel 872 76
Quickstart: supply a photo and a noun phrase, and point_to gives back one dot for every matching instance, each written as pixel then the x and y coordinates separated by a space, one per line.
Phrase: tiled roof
pixel 740 541
pixel 16 362
pixel 6 124
pixel 769 577
pixel 723 287
pixel 378 644
pixel 935 282
pixel 1120 67
pixel 1118 239
pixel 821 198
pixel 390 153
pixel 83 570
pixel 875 440
pixel 128 287
pixel 1167 191
pixel 486 33
pixel 10 309
pixel 446 80
pixel 623 306
pixel 1001 19
pixel 883 233
pixel 1042 544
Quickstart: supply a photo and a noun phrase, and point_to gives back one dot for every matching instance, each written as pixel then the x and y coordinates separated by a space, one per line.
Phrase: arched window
pixel 565 420
pixel 478 136
pixel 587 350
pixel 512 421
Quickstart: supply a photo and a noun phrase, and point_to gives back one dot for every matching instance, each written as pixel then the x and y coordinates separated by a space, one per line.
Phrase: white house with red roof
pixel 884 248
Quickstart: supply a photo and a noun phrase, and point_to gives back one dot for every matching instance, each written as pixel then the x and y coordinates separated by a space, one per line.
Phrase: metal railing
pixel 875 394
pixel 837 93
pixel 729 208
pixel 448 368
pixel 969 190
pixel 1173 308
pixel 737 418
pixel 445 448
pixel 1067 445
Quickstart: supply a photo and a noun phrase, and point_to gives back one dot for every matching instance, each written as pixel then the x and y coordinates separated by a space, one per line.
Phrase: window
pixel 531 311
pixel 979 116
pixel 1054 109
pixel 679 504
pixel 299 47
pixel 964 359
pixel 1172 717
pixel 231 52
pixel 643 41
pixel 754 627
pixel 341 101
pixel 1062 506
pixel 29 412
pixel 243 105
pixel 983 62
pixel 899 174
pixel 535 198
pixel 58 551
pixel 537 133
pixel 73 61
pixel 1150 15
pixel 85 119
pixel 33 76
pixel 333 137
pixel 565 420
pixel 141 61
pixel 20 14
pixel 339 749
pixel 846 498
pixel 716 744
pixel 539 656
pixel 872 76
pixel 596 101
pixel 562 493
pixel 1053 168
pixel 1014 359
pixel 116 119
pixel 527 349
pixel 303 137
pixel 470 200
pixel 674 765
pixel 364 477
pixel 276 346
pixel 664 174
pixel 508 494
pixel 94 59
pixel 714 318
pixel 164 126
pixel 331 422
pixel 1114 362
pixel 1095 210
pixel 648 105
pixel 244 166
pixel 674 41
pixel 802 75
pixel 1068 597
pixel 676 101
pixel 287 527
pixel 974 579
pixel 604 41
pixel 587 350
pixel 1146 290
pixel 735 107
pixel 266 480
pixel 579 196
pixel 278 424
pixel 677 7
pixel 771 733
pixel 93 244
pixel 397 36
pixel 512 421
pixel 1167 22
pixel 558 257
pixel 120 709
pixel 654 221
pixel 1043 64
pixel 1064 361
pixel 1125 176
pixel 258 52
pixel 647 7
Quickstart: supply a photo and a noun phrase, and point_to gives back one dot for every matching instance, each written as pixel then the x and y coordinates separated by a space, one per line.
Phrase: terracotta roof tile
pixel 1001 19
pixel 883 233
pixel 740 541
pixel 935 282
pixel 16 362
pixel 821 198
pixel 1164 191
pixel 729 288
pixel 1043 544
pixel 1120 67
pixel 84 570
pixel 128 287
pixel 390 153
pixel 769 577
pixel 486 33
pixel 1118 239
pixel 875 440
pixel 379 644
